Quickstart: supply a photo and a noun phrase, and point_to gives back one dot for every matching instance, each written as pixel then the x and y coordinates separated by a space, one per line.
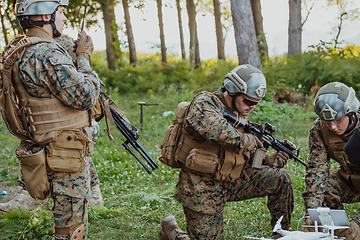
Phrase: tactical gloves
pixel 84 46
pixel 276 159
pixel 351 233
pixel 250 142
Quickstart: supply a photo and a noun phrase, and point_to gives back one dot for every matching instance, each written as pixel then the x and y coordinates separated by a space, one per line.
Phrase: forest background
pixel 135 202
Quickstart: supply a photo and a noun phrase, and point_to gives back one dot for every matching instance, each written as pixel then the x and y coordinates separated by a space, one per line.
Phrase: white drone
pixel 329 219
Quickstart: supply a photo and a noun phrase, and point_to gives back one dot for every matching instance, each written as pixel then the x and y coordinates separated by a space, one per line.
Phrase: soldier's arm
pixel 76 87
pixel 317 169
pixel 205 117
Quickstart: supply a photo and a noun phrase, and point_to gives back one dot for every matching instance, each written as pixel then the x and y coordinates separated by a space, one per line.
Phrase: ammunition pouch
pixel 33 168
pixel 67 153
pixel 232 164
pixel 226 163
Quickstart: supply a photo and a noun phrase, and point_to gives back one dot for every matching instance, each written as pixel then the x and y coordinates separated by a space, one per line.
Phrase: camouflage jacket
pixel 318 165
pixel 205 121
pixel 47 69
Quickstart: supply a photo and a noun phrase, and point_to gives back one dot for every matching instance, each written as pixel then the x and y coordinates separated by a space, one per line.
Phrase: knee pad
pixel 76 232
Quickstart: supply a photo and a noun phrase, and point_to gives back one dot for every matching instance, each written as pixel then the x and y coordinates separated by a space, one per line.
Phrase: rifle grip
pixel 258 158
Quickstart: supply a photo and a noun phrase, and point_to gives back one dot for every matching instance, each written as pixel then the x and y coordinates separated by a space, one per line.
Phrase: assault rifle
pixel 263 134
pixel 130 133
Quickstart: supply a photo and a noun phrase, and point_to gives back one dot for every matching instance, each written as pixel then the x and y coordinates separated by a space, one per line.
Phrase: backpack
pixel 171 143
pixel 11 87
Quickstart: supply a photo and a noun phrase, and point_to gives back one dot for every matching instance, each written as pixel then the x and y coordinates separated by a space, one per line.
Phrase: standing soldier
pixel 337 108
pixel 207 183
pixel 55 100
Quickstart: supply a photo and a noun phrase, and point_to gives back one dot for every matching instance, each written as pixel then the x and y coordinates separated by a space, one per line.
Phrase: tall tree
pixel 112 39
pixel 245 36
pixel 294 42
pixel 218 28
pixel 161 28
pixel 129 33
pixel 182 45
pixel 195 61
pixel 259 29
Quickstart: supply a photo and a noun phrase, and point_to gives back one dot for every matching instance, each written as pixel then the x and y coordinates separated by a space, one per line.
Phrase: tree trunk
pixel 218 28
pixel 294 45
pixel 194 43
pixel 112 38
pixel 161 28
pixel 129 32
pixel 259 29
pixel 245 36
pixel 182 45
pixel 4 30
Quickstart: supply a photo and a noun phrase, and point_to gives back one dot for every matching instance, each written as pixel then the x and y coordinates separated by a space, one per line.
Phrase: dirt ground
pixel 12 192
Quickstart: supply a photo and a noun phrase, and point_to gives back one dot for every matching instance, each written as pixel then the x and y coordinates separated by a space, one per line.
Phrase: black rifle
pixel 263 134
pixel 132 135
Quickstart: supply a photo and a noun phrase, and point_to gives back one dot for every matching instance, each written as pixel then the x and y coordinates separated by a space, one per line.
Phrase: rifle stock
pixel 263 134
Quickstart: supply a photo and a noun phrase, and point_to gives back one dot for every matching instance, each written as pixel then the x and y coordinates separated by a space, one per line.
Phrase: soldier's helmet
pixel 247 80
pixel 37 7
pixel 335 100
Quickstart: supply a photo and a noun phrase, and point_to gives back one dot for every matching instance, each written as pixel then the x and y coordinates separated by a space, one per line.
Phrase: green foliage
pixel 323 65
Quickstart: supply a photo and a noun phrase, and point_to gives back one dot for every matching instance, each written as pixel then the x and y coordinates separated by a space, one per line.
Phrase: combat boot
pixel 19 201
pixel 96 198
pixel 169 228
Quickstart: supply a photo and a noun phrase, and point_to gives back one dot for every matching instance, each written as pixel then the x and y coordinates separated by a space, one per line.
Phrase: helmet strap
pixel 27 23
pixel 56 33
pixel 352 119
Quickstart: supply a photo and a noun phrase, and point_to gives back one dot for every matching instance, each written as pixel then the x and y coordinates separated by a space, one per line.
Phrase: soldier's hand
pixel 351 233
pixel 250 142
pixel 84 47
pixel 276 159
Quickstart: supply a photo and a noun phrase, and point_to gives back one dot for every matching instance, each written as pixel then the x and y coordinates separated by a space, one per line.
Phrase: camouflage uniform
pixel 203 198
pixel 47 70
pixel 325 187
pixel 68 44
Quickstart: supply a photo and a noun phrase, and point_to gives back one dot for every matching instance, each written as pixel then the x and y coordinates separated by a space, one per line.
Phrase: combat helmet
pixel 335 100
pixel 25 8
pixel 247 80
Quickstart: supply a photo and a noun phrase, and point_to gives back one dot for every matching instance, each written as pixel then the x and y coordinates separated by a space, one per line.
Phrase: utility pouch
pixel 67 153
pixel 232 166
pixel 33 168
pixel 202 161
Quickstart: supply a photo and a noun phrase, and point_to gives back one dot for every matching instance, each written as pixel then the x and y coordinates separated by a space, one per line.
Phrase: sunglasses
pixel 249 102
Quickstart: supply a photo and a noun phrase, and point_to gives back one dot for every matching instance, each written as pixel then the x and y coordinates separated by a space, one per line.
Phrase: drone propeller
pixel 278 224
pixel 262 238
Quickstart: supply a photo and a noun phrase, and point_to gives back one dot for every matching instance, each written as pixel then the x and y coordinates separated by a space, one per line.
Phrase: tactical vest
pixel 335 150
pixel 37 119
pixel 226 163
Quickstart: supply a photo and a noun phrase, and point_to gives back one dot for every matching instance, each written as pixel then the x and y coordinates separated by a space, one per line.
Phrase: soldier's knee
pixel 284 176
pixel 75 232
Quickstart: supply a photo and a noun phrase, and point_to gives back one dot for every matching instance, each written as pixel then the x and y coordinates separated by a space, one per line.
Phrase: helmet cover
pixel 37 7
pixel 246 79
pixel 335 100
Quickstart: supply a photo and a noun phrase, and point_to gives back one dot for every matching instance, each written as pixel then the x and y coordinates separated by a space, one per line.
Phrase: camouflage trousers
pixel 339 191
pixel 69 211
pixel 203 198
pixel 70 192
